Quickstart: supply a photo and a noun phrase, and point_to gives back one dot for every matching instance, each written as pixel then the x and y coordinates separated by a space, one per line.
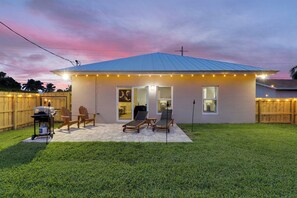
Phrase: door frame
pixel 132 100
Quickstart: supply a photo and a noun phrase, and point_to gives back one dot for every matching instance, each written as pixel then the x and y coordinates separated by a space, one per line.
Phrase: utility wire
pixel 38 45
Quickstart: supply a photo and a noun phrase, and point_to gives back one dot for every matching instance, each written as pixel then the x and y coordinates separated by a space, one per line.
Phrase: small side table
pixel 151 121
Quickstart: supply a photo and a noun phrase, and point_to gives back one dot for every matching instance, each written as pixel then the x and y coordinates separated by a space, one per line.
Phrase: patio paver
pixel 114 133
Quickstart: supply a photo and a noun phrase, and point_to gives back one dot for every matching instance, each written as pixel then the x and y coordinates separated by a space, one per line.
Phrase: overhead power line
pixel 72 62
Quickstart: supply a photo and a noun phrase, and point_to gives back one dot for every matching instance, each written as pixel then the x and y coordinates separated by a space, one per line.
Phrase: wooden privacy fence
pixel 16 108
pixel 272 110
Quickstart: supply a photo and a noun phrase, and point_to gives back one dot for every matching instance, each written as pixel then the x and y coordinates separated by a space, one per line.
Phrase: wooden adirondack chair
pixel 67 119
pixel 84 116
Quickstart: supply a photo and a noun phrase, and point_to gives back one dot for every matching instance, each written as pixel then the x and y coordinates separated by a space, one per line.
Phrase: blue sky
pixel 260 33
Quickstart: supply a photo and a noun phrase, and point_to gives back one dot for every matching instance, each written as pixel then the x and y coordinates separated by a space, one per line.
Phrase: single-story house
pixel 224 92
pixel 276 88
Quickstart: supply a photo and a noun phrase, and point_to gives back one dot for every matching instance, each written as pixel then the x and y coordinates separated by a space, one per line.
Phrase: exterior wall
pixel 236 96
pixel 272 93
pixel 261 92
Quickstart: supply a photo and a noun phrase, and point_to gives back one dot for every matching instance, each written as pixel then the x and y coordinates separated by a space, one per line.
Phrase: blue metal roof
pixel 162 63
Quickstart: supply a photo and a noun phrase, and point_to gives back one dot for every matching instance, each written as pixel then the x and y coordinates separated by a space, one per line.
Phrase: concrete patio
pixel 114 133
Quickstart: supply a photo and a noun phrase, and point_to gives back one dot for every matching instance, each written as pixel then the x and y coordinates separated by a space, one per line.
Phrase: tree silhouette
pixel 33 85
pixel 69 88
pixel 50 87
pixel 293 72
pixel 8 83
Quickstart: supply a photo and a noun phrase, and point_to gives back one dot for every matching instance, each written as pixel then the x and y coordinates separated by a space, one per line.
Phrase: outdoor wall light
pixel 152 87
pixel 65 76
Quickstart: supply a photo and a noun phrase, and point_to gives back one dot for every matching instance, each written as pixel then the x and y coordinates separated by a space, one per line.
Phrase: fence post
pixel 14 111
pixel 259 111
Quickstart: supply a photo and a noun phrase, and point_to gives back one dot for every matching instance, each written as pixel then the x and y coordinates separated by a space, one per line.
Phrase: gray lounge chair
pixel 139 120
pixel 165 121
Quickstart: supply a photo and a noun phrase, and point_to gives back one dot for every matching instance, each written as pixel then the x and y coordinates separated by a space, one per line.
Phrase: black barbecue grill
pixel 44 117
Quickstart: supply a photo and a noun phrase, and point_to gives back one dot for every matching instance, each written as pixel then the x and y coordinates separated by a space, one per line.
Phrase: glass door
pixel 124 96
pixel 140 99
pixel 130 101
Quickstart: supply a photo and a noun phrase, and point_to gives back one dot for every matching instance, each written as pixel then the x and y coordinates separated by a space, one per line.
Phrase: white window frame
pixel 217 101
pixel 171 87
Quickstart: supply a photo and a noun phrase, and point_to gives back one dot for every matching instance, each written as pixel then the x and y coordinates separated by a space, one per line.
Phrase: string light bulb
pixel 224 75
pixel 203 75
pixel 213 75
pixel 118 75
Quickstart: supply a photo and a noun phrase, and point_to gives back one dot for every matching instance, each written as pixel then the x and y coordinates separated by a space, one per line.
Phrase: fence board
pixel 273 110
pixel 16 108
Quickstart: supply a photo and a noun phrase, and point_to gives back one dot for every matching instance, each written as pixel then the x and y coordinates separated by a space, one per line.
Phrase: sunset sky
pixel 260 33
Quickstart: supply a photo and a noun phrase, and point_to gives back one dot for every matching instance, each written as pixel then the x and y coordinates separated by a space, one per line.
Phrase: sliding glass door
pixel 130 100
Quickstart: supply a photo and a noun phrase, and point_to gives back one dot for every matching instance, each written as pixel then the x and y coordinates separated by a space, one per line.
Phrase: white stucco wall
pixel 236 96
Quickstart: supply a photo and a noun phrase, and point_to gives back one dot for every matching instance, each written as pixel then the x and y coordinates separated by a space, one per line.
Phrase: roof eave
pixel 74 72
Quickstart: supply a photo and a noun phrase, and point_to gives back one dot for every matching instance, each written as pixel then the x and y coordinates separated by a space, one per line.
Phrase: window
pixel 164 96
pixel 210 99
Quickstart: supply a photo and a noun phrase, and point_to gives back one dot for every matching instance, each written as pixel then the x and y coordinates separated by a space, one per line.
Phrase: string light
pixel 213 75
pixel 181 75
pixel 107 75
pixel 192 75
pixel 76 75
pixel 272 86
pixel 171 75
pixel 203 75
pixel 150 75
pixel 224 75
pixel 129 75
pixel 87 75
pixel 118 75
pixel 234 75
pixel 244 74
pixel 160 75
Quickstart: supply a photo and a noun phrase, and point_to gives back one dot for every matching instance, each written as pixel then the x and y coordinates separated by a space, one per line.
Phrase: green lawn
pixel 250 160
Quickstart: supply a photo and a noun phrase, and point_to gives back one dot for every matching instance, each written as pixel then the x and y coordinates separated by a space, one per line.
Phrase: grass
pixel 231 160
